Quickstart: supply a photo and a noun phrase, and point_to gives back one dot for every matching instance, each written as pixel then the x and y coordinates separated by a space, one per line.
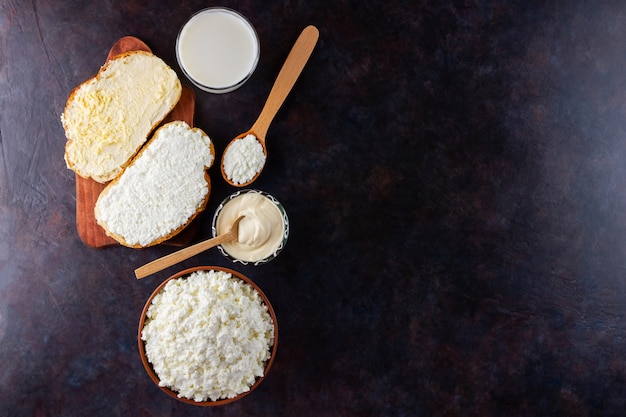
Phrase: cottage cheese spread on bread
pixel 109 117
pixel 164 187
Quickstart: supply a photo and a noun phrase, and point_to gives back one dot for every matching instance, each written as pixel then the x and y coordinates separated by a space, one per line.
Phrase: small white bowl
pixel 217 49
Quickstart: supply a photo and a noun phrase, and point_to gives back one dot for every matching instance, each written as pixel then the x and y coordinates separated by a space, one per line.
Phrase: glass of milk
pixel 217 49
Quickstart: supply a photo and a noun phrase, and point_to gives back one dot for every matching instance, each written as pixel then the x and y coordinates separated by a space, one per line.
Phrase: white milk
pixel 217 49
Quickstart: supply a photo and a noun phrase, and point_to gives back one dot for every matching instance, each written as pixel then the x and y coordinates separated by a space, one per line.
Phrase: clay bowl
pixel 148 366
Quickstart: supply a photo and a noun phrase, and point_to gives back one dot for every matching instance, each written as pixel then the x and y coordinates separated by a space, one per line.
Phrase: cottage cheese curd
pixel 243 159
pixel 161 190
pixel 208 336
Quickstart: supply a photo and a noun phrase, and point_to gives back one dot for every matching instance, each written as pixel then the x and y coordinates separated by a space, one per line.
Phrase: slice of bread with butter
pixel 162 190
pixel 109 117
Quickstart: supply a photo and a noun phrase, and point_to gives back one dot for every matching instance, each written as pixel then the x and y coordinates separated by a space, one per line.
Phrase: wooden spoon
pixel 179 256
pixel 289 73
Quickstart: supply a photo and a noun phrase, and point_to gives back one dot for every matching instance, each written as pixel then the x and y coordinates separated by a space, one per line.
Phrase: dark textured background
pixel 455 177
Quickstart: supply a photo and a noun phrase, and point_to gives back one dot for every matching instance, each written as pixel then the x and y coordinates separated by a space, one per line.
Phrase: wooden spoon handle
pixel 289 73
pixel 179 256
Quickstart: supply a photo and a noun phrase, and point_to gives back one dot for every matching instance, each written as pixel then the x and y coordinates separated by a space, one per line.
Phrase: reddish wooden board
pixel 88 190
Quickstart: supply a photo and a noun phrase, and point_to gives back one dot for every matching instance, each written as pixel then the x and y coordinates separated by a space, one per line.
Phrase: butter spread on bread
pixel 163 188
pixel 110 116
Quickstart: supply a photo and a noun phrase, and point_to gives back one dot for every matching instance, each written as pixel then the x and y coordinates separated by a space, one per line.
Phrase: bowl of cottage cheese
pixel 208 336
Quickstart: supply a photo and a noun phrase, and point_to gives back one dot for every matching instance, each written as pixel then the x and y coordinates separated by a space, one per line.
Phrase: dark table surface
pixel 455 177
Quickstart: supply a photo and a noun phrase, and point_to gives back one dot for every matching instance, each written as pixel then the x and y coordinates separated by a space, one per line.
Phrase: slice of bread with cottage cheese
pixel 110 116
pixel 161 191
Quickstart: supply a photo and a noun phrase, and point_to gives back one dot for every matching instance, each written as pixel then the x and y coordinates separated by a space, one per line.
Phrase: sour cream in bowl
pixel 263 232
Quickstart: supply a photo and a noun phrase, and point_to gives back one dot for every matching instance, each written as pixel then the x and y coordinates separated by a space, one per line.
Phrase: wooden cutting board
pixel 88 190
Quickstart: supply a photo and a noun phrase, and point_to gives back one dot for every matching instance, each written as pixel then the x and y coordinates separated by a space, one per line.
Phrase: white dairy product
pixel 208 336
pixel 161 190
pixel 261 231
pixel 217 48
pixel 243 159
